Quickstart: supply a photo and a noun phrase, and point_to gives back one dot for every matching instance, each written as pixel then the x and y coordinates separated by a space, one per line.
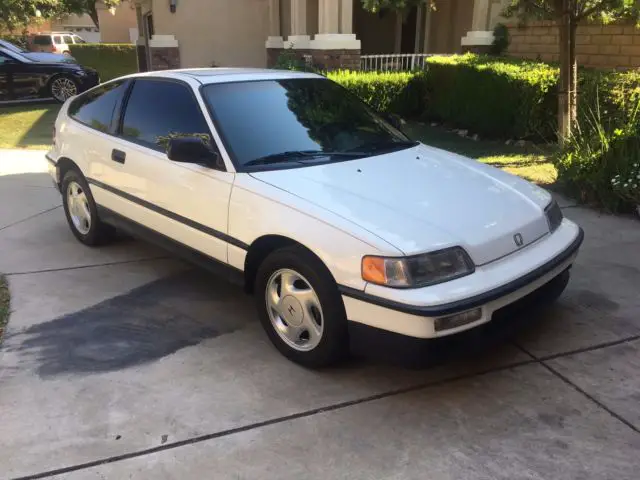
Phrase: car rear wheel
pixel 63 87
pixel 81 212
pixel 301 309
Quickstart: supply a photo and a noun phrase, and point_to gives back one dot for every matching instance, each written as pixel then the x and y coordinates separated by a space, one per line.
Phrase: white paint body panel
pixel 408 202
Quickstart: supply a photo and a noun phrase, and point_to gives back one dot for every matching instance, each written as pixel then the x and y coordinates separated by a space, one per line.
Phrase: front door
pixel 185 202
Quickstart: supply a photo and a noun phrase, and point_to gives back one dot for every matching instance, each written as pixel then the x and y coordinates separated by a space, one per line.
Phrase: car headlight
pixel 554 215
pixel 418 270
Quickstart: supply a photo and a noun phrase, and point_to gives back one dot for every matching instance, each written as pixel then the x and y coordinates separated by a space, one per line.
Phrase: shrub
pixel 500 40
pixel 496 97
pixel 402 93
pixel 110 60
pixel 602 156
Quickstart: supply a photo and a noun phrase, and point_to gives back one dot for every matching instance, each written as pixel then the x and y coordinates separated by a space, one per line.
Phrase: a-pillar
pixel 480 38
pixel 335 45
pixel 275 42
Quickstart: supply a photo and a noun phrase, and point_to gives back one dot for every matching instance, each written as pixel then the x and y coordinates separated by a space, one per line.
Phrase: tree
pixel 568 14
pixel 80 7
pixel 20 13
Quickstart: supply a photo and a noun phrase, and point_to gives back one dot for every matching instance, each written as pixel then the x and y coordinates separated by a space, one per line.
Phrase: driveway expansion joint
pixel 543 362
pixel 92 265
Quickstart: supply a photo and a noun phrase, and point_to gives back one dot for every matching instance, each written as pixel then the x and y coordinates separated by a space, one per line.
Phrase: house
pixel 336 33
pixel 117 25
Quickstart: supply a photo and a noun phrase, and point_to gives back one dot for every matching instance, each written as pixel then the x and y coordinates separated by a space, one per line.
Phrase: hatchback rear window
pixel 42 40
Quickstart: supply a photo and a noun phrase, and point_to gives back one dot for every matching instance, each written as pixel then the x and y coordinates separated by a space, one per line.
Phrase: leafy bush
pixel 288 60
pixel 496 97
pixel 110 60
pixel 601 157
pixel 402 93
pixel 500 39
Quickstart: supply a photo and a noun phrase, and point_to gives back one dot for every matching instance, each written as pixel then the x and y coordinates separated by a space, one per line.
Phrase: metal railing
pixel 393 62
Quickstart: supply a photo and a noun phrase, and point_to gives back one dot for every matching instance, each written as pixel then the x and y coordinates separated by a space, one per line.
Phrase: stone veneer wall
pixel 600 46
pixel 325 59
pixel 165 58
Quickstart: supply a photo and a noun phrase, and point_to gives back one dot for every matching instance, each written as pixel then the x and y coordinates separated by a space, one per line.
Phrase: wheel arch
pixel 263 247
pixel 64 164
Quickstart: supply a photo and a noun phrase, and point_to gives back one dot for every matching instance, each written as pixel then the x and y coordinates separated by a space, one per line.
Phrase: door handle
pixel 118 156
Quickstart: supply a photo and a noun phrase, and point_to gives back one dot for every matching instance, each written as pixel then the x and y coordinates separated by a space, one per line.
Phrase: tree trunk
pixel 564 111
pixel 93 13
pixel 573 83
pixel 397 47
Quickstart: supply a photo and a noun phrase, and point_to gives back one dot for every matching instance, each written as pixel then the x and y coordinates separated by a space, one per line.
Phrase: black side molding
pixel 471 302
pixel 195 257
pixel 50 159
pixel 173 216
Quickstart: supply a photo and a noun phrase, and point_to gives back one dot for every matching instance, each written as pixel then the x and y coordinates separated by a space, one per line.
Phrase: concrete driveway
pixel 122 362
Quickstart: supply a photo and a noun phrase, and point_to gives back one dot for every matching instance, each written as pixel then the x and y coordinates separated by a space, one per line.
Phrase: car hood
pixel 42 57
pixel 422 198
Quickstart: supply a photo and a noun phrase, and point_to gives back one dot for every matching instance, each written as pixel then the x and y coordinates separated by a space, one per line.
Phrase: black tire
pixel 334 345
pixel 62 78
pixel 98 233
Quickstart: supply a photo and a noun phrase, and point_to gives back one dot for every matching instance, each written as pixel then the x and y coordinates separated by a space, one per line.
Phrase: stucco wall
pixel 608 46
pixel 229 33
pixel 449 23
pixel 115 28
pixel 376 32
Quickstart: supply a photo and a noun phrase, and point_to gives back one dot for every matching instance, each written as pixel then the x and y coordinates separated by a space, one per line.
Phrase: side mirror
pixel 192 150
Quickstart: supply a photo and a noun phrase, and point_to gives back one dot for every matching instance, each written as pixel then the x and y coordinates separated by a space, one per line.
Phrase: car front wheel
pixel 301 309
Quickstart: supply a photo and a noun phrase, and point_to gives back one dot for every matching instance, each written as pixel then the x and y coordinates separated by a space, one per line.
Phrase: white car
pixel 348 233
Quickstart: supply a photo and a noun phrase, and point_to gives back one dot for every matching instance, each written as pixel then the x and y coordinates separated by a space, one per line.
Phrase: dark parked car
pixel 37 56
pixel 22 78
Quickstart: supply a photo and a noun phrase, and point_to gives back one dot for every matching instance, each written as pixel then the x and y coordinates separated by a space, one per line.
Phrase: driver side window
pixel 158 110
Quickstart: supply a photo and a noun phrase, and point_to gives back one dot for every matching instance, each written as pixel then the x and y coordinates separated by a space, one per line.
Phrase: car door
pixel 185 202
pixel 87 138
pixel 5 77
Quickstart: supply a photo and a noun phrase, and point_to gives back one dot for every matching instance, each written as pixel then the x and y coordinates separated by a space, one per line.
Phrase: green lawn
pixel 530 162
pixel 27 126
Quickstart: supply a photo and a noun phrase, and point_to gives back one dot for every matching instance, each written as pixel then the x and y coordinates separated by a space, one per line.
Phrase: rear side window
pixel 42 40
pixel 159 110
pixel 57 40
pixel 95 108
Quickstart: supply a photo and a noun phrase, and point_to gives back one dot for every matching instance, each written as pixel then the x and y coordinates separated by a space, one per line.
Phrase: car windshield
pixel 289 122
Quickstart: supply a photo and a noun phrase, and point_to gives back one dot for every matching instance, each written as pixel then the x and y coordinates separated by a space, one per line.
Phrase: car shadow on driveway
pixel 141 326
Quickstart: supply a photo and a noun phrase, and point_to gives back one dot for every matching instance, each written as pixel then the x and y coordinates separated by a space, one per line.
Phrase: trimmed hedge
pixel 492 96
pixel 111 60
pixel 393 92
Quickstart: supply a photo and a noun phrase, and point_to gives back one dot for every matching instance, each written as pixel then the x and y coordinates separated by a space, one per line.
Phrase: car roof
pixel 206 76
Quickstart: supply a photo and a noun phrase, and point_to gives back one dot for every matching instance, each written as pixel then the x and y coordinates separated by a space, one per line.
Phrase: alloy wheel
pixel 63 88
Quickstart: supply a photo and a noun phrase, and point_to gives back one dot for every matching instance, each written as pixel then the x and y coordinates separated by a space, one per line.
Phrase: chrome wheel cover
pixel 294 310
pixel 78 206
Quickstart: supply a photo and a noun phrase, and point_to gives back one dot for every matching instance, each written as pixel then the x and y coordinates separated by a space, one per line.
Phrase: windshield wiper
pixel 284 156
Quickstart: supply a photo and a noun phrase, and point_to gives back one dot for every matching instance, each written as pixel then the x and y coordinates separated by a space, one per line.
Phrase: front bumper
pixel 529 270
